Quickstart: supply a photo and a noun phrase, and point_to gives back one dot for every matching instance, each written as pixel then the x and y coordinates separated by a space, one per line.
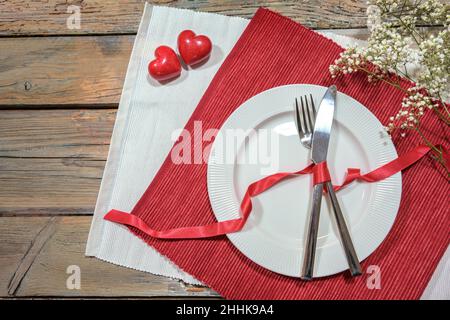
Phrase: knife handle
pixel 350 253
pixel 313 228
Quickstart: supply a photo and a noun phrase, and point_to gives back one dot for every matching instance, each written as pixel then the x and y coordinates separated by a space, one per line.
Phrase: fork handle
pixel 313 228
pixel 350 253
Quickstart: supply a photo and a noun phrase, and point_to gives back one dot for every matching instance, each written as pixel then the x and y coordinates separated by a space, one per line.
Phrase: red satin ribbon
pixel 320 174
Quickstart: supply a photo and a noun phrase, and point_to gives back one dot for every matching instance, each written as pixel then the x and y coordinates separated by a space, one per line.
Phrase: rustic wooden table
pixel 59 90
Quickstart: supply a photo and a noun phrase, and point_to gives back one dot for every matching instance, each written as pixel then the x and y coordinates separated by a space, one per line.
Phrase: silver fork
pixel 305 120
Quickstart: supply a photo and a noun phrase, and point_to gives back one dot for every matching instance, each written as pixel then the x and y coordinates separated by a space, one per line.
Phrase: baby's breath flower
pixel 397 47
pixel 349 61
pixel 388 49
pixel 395 44
pixel 435 65
pixel 412 109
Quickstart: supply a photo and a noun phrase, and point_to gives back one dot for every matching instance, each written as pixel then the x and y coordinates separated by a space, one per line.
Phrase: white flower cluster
pixel 428 11
pixel 432 12
pixel 435 64
pixel 414 104
pixel 388 49
pixel 350 60
pixel 387 6
pixel 395 43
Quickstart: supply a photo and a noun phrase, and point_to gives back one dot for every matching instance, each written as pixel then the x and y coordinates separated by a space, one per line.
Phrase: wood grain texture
pixel 122 17
pixel 51 161
pixel 30 255
pixel 35 253
pixel 53 71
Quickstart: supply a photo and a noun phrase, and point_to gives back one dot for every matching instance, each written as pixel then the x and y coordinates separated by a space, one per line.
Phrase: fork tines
pixel 308 114
pixel 305 116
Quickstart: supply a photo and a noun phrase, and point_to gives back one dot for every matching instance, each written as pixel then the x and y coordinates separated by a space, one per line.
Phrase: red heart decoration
pixel 193 49
pixel 166 65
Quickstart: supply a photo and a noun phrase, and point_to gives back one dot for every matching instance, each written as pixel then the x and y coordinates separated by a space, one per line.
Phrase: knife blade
pixel 322 127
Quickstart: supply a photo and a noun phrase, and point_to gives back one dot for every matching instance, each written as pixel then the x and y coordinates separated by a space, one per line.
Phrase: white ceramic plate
pixel 265 142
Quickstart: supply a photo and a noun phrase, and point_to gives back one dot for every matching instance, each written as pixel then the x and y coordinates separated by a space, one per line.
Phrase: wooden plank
pixel 51 161
pixel 35 253
pixel 122 17
pixel 81 71
pixel 78 133
pixel 49 71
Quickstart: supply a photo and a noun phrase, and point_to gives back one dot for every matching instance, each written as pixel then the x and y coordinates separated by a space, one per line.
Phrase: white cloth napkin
pixel 148 114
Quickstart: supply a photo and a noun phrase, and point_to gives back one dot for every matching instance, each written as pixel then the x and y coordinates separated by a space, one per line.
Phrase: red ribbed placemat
pixel 274 51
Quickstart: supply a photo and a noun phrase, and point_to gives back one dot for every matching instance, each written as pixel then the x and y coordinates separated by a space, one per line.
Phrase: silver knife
pixel 320 141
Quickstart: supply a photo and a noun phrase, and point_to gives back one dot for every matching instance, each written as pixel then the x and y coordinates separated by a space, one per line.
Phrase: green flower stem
pixel 394 84
pixel 398 86
pixel 442 116
pixel 444 105
pixel 438 153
